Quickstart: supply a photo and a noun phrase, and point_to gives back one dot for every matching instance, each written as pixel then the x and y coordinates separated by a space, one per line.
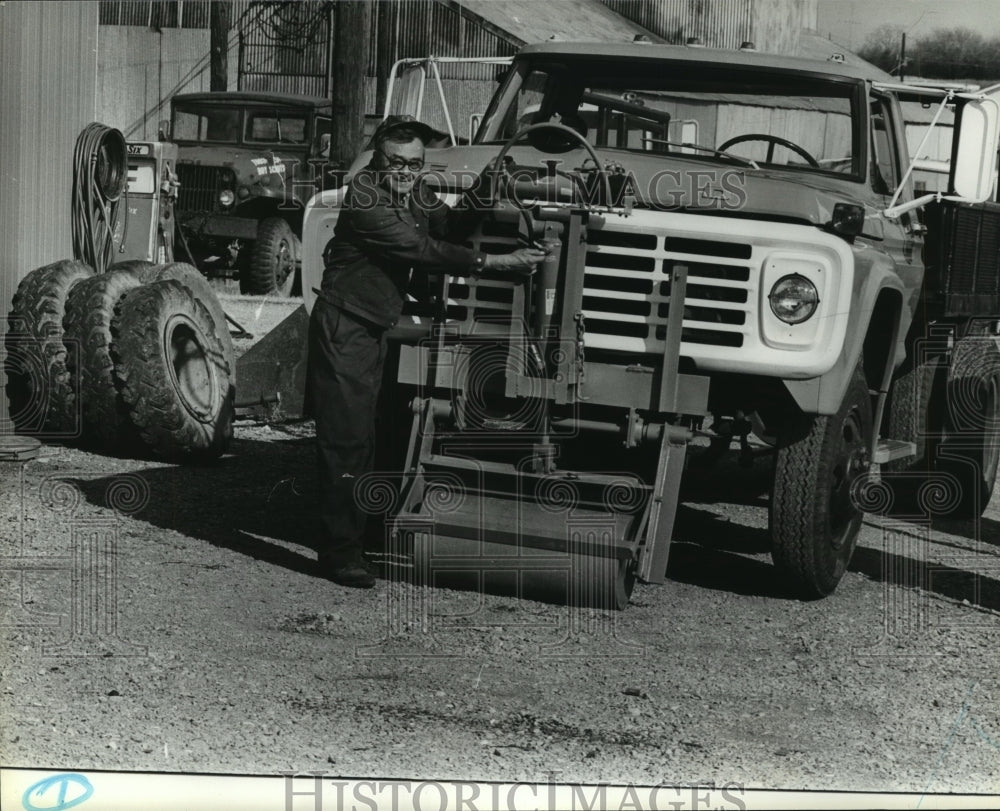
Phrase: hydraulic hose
pixel 100 188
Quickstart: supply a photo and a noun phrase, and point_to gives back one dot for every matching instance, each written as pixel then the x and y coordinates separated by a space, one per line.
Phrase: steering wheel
pixel 772 141
pixel 563 130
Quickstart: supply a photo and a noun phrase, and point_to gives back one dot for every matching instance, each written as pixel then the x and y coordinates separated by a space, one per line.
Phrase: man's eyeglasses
pixel 397 164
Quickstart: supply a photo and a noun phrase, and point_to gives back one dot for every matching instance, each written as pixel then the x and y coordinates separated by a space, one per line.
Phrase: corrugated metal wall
pixel 285 48
pixel 418 28
pixel 48 76
pixel 139 69
pixel 772 25
pixel 161 13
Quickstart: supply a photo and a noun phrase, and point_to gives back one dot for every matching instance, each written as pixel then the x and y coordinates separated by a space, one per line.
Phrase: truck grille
pixel 627 290
pixel 200 187
pixel 727 325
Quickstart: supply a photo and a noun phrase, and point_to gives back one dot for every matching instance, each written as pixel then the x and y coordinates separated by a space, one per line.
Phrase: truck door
pixel 904 234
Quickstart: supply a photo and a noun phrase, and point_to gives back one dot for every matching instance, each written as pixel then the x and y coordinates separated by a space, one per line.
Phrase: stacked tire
pixel 139 357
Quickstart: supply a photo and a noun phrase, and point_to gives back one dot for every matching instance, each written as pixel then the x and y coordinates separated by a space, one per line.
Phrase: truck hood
pixel 249 165
pixel 674 181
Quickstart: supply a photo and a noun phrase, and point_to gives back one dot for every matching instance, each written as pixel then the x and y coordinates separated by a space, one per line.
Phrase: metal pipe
pixel 444 101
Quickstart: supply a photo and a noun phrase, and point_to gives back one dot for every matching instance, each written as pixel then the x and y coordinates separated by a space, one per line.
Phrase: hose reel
pixel 100 183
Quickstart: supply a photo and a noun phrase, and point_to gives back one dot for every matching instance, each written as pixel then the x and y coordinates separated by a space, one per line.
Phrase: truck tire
pixel 171 370
pixel 814 518
pixel 40 388
pixel 194 281
pixel 90 310
pixel 273 260
pixel 971 451
pixel 916 412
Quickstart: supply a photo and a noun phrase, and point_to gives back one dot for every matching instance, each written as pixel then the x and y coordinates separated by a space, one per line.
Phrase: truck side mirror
pixel 974 166
pixel 163 130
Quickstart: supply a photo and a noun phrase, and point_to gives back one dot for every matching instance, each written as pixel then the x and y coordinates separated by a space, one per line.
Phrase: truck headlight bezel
pixel 797 287
pixel 226 198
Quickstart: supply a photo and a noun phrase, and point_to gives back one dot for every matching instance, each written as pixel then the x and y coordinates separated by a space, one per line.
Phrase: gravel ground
pixel 209 643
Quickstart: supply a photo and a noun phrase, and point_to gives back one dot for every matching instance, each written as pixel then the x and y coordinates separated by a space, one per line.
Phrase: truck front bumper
pixel 203 224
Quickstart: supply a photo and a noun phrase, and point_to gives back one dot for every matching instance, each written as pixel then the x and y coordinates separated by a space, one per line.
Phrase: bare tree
pixel 882 47
pixel 946 53
pixel 957 53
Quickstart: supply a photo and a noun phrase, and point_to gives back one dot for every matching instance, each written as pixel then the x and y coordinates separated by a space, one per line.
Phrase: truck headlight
pixel 226 198
pixel 793 299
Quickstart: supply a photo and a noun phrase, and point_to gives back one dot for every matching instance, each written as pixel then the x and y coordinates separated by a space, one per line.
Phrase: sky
pixel 850 21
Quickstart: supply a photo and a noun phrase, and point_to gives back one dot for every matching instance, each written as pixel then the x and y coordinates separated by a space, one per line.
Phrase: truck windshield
pixel 219 125
pixel 665 107
pixel 278 128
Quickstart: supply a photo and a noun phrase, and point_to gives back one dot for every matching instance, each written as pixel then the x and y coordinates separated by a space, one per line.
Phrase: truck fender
pixel 874 328
pixel 321 214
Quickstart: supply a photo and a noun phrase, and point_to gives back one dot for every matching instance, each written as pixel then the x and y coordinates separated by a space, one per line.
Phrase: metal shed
pixel 48 79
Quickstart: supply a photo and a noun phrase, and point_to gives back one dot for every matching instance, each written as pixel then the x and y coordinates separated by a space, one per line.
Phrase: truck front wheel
pixel 814 518
pixel 273 260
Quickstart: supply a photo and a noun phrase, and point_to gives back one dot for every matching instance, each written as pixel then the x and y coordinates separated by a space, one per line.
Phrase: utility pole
pixel 902 58
pixel 352 30
pixel 219 23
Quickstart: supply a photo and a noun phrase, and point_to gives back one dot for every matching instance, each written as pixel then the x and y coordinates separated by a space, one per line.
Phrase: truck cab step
pixel 891 449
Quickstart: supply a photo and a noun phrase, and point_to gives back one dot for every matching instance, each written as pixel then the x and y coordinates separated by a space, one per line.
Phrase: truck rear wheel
pixel 971 451
pixel 273 260
pixel 915 412
pixel 90 309
pixel 40 387
pixel 172 371
pixel 814 518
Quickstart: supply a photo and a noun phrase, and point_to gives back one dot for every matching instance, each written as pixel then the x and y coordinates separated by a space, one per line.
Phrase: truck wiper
pixel 717 152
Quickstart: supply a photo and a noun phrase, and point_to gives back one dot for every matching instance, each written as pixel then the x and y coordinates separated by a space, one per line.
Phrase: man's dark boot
pixel 351 572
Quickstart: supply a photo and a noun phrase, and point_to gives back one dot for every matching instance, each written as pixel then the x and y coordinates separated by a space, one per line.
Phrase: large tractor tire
pixel 40 388
pixel 172 372
pixel 813 515
pixel 193 280
pixel 90 310
pixel 971 450
pixel 271 267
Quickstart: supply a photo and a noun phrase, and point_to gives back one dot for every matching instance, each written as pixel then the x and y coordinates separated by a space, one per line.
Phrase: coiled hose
pixel 100 187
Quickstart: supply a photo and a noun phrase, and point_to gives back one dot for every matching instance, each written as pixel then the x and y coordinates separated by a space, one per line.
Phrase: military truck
pixel 737 253
pixel 247 164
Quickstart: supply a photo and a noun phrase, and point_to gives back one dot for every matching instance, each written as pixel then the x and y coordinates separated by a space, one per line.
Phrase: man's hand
pixel 523 260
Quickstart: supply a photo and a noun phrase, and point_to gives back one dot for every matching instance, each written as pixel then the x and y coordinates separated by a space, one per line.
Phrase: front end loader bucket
pixel 272 373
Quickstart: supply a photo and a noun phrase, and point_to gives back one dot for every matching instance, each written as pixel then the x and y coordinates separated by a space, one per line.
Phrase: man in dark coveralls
pixel 385 231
